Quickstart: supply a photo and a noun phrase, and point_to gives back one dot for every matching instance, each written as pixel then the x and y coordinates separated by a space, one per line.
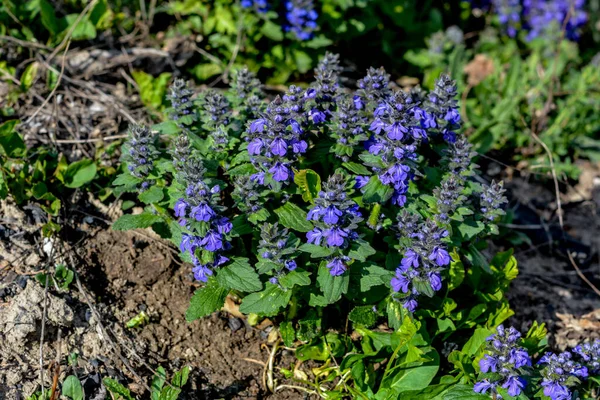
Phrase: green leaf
pixel 293 217
pixel 309 183
pixel 316 251
pixel 117 389
pixel 152 90
pixel 180 377
pixel 126 179
pixel 303 61
pixel 135 221
pixel 242 169
pixel 363 315
pixel 464 392
pixel 29 75
pixel 356 168
pixel 152 195
pixel 332 286
pixel 239 275
pixel 268 302
pixel 416 376
pixel 457 271
pixel 158 382
pixel 374 275
pixel 293 278
pixel 205 71
pixel 11 142
pixel 396 314
pixel 360 250
pixel 72 388
pixel 470 229
pixel 166 128
pixel 474 343
pixel 288 334
pixel 376 192
pixel 206 300
pixel 84 30
pixel 79 173
pixel 49 19
pixel 272 30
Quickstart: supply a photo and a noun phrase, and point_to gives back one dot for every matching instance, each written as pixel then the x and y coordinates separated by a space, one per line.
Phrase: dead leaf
pixel 478 69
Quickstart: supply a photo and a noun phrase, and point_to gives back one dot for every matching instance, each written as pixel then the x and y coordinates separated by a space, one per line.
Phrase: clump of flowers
pixel 206 230
pixel 373 88
pixel 506 360
pixel 275 142
pixel 449 194
pixel 278 247
pixel 247 93
pixel 545 18
pixel 492 200
pixel 542 18
pixel 348 127
pixel 560 374
pixel 336 218
pixel 397 132
pixel 140 154
pixel 589 354
pixel 441 113
pixel 260 6
pixel 424 259
pixel 183 109
pixel 301 18
pixel 215 110
pixel 321 97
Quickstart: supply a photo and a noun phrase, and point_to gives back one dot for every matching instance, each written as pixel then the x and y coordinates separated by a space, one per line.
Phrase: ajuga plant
pixel 349 216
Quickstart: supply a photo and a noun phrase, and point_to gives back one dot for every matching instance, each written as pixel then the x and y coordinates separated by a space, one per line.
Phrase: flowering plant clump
pixel 332 210
pixel 539 18
pixel 506 360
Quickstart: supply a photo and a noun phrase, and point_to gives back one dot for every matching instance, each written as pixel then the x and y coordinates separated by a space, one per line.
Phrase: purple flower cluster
pixel 559 374
pixel 373 88
pixel 423 261
pixel 458 160
pixel 207 230
pixel 180 96
pixel 141 154
pixel 336 218
pixel 492 199
pixel 546 18
pixel 276 246
pixel 590 355
pixel 348 127
pixel 247 91
pixel 301 18
pixel 397 132
pixel 542 18
pixel 321 96
pixel 441 113
pixel 509 15
pixel 505 358
pixel 215 110
pixel 260 6
pixel 275 141
pixel 247 194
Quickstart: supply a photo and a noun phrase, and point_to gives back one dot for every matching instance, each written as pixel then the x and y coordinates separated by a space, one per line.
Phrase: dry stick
pixel 236 49
pixel 62 70
pixel 45 314
pixel 69 34
pixel 24 43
